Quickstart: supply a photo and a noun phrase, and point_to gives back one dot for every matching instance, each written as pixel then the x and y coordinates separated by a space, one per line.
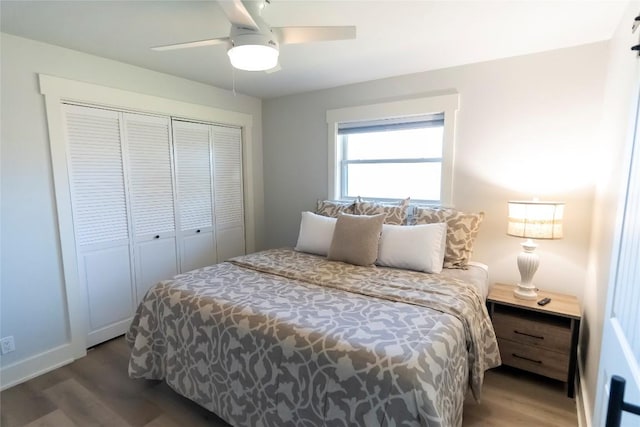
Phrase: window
pixel 393 150
pixel 392 159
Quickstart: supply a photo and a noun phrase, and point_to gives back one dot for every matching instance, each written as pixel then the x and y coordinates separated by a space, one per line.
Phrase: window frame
pixel 396 110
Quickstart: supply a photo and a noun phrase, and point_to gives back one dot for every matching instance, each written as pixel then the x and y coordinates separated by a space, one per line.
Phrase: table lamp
pixel 532 220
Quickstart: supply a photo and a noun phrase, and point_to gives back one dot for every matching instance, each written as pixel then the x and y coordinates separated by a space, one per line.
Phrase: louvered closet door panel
pixel 193 174
pixel 192 149
pixel 151 195
pixel 97 184
pixel 229 198
pixel 97 175
pixel 150 179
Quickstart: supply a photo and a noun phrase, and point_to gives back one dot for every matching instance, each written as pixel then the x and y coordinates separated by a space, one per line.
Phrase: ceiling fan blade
pixel 237 13
pixel 292 35
pixel 198 43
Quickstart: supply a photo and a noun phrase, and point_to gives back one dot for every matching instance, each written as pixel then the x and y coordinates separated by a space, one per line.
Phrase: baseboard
pixel 582 399
pixel 34 366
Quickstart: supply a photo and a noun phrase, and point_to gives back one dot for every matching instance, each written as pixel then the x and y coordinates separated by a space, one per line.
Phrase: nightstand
pixel 539 339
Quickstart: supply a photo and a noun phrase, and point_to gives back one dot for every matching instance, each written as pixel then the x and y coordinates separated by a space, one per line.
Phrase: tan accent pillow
pixel 356 238
pixel 394 213
pixel 462 229
pixel 332 208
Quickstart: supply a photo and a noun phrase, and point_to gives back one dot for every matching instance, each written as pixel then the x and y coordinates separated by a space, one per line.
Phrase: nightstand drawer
pixel 534 359
pixel 532 332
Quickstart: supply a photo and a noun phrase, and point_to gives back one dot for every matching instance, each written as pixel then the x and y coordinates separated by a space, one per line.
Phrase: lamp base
pixel 528 262
pixel 525 293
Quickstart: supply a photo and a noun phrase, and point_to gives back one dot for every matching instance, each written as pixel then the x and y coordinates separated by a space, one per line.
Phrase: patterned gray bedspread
pixel 282 338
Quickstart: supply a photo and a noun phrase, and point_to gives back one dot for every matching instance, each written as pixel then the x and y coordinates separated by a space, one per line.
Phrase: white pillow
pixel 316 232
pixel 413 247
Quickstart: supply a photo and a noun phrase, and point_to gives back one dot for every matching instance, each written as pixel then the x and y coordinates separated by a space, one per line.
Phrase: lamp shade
pixel 535 220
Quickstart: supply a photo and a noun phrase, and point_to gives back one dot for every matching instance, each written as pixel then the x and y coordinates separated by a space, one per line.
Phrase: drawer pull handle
pixel 157 236
pixel 527 359
pixel 528 335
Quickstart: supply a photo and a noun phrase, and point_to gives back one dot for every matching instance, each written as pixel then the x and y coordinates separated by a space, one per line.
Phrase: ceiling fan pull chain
pixel 233 80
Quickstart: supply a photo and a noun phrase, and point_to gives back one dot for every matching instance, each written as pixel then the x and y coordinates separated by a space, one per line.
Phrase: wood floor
pixel 96 391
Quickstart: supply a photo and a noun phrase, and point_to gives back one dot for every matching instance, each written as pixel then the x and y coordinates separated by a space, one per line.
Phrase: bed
pixel 285 338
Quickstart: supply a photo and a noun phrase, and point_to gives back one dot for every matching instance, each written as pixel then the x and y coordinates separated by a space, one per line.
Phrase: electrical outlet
pixel 7 345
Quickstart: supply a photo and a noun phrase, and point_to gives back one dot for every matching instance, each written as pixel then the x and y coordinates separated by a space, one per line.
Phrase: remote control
pixel 544 301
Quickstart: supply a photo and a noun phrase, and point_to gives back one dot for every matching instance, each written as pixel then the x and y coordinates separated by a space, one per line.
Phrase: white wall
pixel 32 285
pixel 526 127
pixel 616 120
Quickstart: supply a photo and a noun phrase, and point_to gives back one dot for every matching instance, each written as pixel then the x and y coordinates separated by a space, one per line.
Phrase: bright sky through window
pixel 393 164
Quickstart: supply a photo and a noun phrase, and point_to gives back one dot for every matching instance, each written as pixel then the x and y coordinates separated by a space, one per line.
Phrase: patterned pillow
pixel 394 213
pixel 462 229
pixel 332 208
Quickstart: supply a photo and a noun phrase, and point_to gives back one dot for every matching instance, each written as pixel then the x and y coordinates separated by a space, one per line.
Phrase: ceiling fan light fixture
pixel 253 57
pixel 253 45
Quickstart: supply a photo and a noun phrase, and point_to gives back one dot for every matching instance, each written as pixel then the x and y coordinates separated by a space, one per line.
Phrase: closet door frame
pixel 57 91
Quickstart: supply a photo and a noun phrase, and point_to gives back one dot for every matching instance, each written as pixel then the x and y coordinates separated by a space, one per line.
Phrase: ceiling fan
pixel 253 45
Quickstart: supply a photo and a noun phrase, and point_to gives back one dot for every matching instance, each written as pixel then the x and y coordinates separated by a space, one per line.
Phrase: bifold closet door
pixel 228 189
pixel 194 196
pixel 151 195
pixel 100 219
pixel 147 204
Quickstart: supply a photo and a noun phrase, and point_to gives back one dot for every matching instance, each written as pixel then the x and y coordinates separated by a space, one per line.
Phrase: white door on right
pixel 620 353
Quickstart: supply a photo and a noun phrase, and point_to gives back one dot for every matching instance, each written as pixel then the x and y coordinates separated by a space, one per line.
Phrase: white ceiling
pixel 393 37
